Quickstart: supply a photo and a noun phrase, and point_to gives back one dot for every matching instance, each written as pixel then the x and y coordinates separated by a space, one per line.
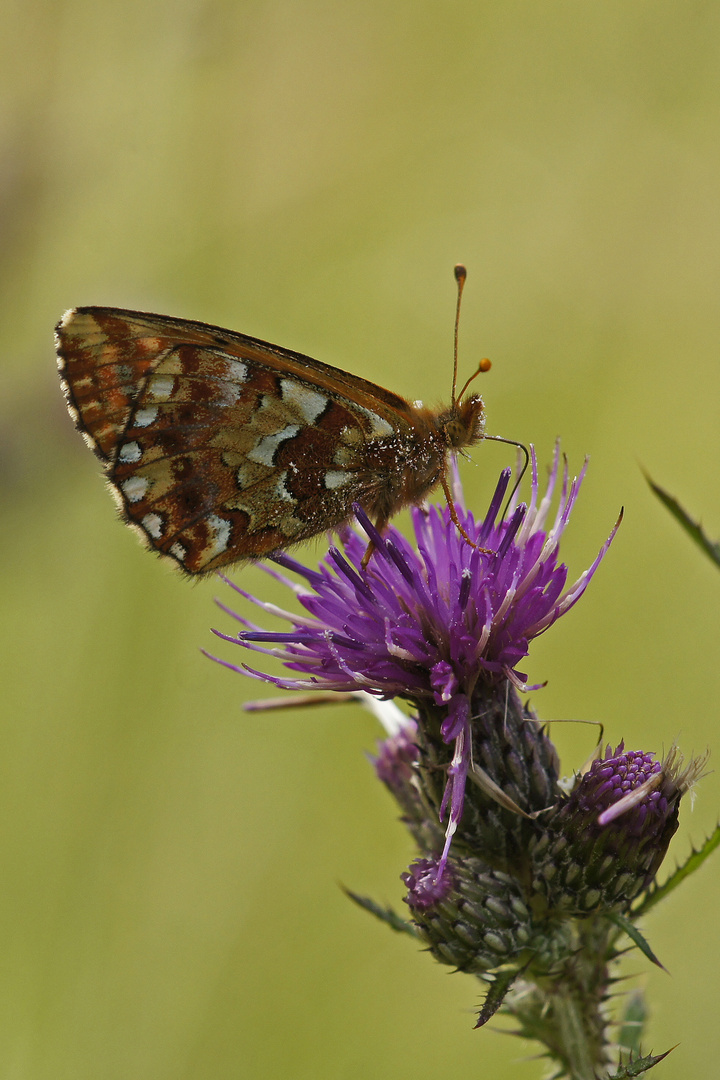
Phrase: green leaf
pixel 691 864
pixel 385 914
pixel 693 528
pixel 639 1066
pixel 635 936
pixel 499 987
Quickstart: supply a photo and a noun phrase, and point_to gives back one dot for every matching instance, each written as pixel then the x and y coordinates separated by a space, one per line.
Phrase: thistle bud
pixel 605 843
pixel 471 916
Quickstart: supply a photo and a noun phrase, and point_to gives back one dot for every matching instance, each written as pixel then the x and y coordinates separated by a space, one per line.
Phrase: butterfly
pixel 220 447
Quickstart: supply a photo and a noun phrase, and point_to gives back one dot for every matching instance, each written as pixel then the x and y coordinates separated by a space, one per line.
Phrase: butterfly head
pixel 464 423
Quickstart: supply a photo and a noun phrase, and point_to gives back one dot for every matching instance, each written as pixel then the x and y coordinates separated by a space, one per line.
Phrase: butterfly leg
pixel 368 555
pixel 455 519
pixel 380 523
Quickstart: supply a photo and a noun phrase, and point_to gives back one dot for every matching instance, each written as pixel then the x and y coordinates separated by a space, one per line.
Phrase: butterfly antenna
pixel 484 365
pixel 460 276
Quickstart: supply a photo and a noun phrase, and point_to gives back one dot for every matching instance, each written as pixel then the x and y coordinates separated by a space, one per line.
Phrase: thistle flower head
pixel 432 623
pixel 426 622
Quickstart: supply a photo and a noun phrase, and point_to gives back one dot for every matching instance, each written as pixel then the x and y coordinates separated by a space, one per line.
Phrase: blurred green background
pixel 309 173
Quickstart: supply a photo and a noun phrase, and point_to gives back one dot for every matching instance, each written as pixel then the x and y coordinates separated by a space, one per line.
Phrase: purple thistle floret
pixel 397 756
pixel 624 784
pixel 429 623
pixel 427 884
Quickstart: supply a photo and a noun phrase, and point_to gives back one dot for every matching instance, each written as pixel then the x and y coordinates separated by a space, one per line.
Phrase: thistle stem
pixel 575 1049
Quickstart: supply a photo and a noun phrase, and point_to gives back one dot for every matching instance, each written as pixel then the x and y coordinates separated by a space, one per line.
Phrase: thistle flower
pixel 442 625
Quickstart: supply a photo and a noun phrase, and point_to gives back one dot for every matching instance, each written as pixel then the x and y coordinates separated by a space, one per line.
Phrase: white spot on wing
pixel 153 525
pixel 282 490
pixel 160 387
pixel 220 534
pixel 134 488
pixel 178 551
pixel 130 452
pixel 335 478
pixel 147 416
pixel 236 370
pixel 309 403
pixel 265 449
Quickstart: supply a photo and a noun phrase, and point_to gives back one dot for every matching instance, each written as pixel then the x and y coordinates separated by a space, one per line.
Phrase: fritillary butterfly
pixel 219 447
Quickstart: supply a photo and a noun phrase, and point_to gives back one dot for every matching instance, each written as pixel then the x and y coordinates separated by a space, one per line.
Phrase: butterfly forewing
pixel 221 447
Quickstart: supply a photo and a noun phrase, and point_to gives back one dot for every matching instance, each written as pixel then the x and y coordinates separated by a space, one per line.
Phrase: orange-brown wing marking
pixel 220 446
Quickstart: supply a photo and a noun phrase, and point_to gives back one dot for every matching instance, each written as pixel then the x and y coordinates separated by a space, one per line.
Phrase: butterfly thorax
pixel 416 463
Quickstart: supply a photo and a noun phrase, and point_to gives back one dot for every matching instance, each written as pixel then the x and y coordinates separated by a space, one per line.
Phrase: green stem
pixel 572 1036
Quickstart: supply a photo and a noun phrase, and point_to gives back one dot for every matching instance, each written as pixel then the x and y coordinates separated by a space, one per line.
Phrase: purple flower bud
pixel 605 844
pixel 397 757
pixel 471 916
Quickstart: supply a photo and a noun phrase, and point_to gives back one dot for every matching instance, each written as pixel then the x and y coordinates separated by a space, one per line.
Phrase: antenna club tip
pixel 484 364
pixel 460 272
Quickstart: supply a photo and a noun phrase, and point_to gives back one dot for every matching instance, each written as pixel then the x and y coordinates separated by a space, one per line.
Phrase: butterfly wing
pixel 221 447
